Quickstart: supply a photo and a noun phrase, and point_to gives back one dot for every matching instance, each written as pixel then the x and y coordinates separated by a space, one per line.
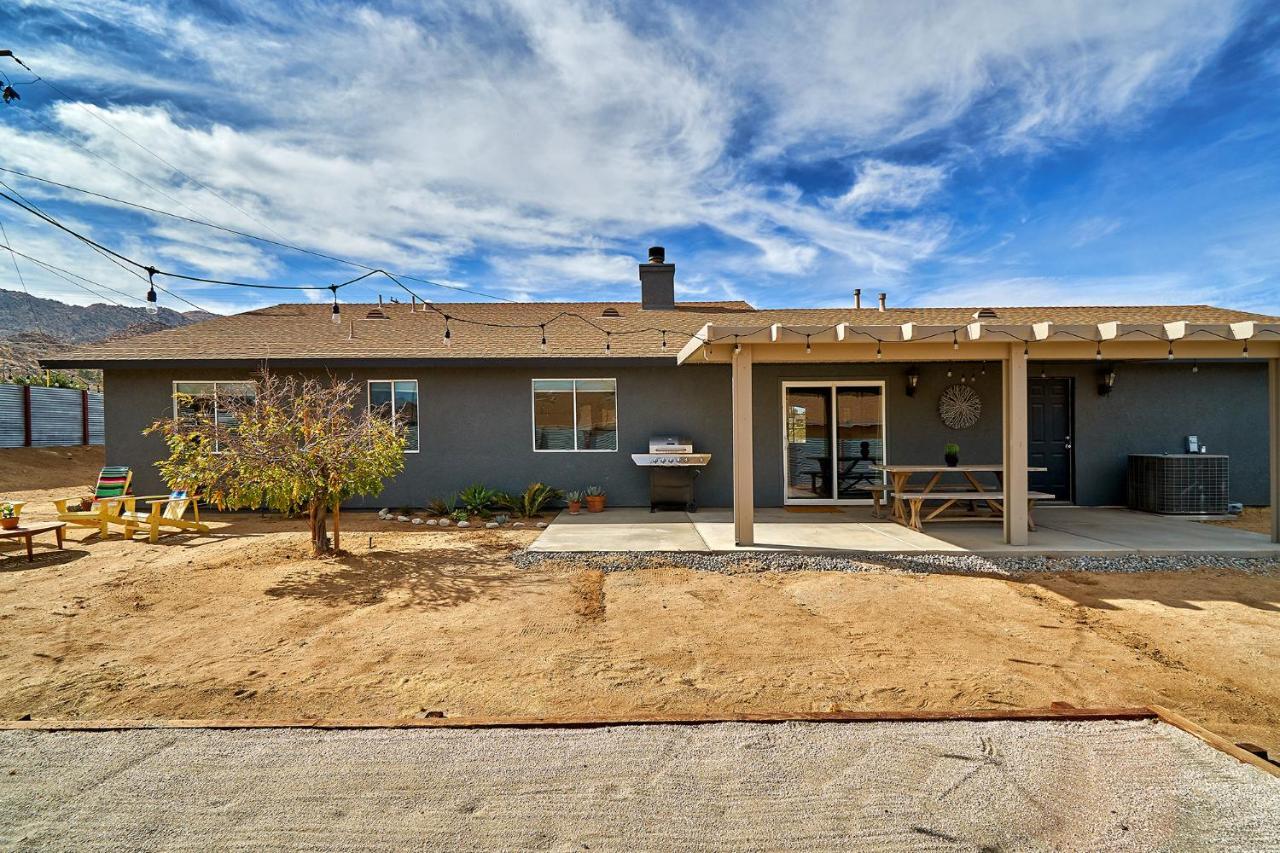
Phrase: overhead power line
pixel 238 233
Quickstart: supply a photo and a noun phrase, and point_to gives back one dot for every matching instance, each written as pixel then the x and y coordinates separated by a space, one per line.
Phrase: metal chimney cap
pixel 657 255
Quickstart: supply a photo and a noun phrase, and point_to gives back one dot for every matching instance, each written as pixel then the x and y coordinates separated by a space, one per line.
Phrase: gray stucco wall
pixel 476 423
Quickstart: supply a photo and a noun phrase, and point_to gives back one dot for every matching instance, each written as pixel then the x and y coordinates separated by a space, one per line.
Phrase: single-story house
pixel 795 405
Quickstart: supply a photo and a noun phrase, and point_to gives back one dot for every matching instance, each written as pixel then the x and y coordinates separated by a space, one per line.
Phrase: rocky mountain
pixel 21 313
pixel 32 327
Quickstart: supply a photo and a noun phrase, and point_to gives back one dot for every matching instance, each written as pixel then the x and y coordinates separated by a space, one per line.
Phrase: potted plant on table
pixel 951 453
pixel 574 499
pixel 9 512
pixel 595 499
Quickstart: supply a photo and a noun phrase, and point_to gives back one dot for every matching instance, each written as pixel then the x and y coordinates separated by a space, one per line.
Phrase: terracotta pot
pixel 86 504
pixel 8 523
pixel 595 503
pixel 575 507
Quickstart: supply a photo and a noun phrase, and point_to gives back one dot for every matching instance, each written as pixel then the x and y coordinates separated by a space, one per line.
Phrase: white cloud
pixel 891 186
pixel 550 136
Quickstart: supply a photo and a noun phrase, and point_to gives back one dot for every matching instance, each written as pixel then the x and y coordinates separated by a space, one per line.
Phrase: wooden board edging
pixel 1027 714
pixel 1216 741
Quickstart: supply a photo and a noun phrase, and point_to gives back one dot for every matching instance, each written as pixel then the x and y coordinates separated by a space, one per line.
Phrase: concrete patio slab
pixel 1060 531
pixel 620 529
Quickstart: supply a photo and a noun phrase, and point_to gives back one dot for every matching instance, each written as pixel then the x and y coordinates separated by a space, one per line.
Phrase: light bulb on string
pixel 1097 355
pixel 337 312
pixel 1195 367
pixel 808 347
pixel 1245 353
pixel 948 371
pixel 955 342
pixel 664 340
pixel 1171 350
pixel 878 352
pixel 608 345
pixel 543 346
pixel 737 347
pixel 448 335
pixel 152 307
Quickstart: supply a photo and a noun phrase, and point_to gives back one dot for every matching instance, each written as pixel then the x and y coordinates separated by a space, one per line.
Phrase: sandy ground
pixel 243 623
pixel 1255 519
pixel 1137 785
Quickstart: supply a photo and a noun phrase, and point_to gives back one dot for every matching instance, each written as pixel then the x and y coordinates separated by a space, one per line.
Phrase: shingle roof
pixel 304 331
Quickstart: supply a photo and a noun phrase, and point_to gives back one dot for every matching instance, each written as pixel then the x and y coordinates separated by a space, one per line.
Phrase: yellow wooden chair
pixel 107 502
pixel 166 511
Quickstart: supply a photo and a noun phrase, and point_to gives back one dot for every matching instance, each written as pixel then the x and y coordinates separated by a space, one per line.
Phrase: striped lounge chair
pixel 108 500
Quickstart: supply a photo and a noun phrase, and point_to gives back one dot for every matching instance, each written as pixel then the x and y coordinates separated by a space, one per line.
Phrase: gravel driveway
pixel 1093 785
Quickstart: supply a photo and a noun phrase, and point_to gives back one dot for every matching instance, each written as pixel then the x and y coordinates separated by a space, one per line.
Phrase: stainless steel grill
pixel 673 466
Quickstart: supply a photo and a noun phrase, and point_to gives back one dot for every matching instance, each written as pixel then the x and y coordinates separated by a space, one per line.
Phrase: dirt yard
pixel 244 623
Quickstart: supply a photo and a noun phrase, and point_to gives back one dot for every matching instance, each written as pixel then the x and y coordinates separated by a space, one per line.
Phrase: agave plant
pixel 574 496
pixel 594 491
pixel 536 497
pixel 438 507
pixel 460 515
pixel 506 501
pixel 477 499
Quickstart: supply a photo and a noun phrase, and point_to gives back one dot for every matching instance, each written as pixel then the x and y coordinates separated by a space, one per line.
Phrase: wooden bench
pixel 915 502
pixel 27 532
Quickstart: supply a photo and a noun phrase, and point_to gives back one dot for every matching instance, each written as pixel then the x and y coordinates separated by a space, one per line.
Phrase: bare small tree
pixel 296 444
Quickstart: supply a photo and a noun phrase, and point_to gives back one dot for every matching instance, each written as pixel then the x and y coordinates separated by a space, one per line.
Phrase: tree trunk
pixel 319 533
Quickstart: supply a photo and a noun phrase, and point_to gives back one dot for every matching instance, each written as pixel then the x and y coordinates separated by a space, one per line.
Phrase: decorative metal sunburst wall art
pixel 959 406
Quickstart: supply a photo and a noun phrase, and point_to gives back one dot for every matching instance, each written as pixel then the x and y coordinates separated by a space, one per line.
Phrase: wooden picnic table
pixel 28 532
pixel 900 475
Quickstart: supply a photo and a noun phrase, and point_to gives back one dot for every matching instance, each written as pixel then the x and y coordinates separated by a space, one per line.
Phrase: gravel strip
pixel 999 785
pixel 781 561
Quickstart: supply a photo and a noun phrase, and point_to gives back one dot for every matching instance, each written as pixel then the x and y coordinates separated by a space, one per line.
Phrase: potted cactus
pixel 952 454
pixel 9 512
pixel 574 499
pixel 595 499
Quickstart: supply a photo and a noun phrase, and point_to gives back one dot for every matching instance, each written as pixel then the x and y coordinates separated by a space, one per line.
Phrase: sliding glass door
pixel 833 438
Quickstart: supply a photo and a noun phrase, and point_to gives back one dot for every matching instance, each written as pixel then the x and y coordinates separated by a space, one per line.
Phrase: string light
pixel 664 340
pixel 1195 367
pixel 984 368
pixel 1246 348
pixel 1026 348
pixel 948 371
pixel 337 312
pixel 955 342
pixel 878 353
pixel 543 346
pixel 608 346
pixel 152 307
pixel 1098 354
pixel 448 335
pixel 808 349
pixel 1171 350
pixel 737 347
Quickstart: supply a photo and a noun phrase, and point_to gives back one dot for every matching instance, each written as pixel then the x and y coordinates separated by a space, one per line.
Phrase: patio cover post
pixel 1015 446
pixel 1273 406
pixel 743 448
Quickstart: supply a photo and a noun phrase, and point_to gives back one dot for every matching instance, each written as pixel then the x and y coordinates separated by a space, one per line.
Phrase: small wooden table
pixel 900 474
pixel 28 532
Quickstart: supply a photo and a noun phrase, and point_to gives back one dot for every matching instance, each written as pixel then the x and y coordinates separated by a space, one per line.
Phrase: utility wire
pixel 248 235
pixel 76 103
pixel 31 309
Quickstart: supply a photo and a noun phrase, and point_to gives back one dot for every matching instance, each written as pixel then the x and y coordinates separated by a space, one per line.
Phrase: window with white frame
pixel 211 401
pixel 575 414
pixel 397 401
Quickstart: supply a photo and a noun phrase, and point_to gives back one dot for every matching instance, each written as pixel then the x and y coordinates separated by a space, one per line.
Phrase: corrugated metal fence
pixel 33 416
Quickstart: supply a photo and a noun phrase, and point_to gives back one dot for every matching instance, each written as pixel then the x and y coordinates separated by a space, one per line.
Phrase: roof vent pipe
pixel 883 297
pixel 857 297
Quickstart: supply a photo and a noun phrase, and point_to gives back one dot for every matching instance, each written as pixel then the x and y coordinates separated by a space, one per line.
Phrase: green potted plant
pixel 574 499
pixel 952 454
pixel 595 499
pixel 9 512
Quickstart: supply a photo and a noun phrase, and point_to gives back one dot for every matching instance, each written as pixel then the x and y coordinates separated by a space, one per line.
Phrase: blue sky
pixel 970 153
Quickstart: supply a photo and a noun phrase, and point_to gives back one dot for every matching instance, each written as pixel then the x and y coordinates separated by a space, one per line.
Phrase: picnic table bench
pixel 908 503
pixel 28 532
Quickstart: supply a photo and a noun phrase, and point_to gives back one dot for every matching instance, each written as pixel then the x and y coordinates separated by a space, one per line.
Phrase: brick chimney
pixel 657 282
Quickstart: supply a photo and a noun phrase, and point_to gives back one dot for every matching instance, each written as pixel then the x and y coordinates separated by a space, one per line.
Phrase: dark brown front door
pixel 1049 408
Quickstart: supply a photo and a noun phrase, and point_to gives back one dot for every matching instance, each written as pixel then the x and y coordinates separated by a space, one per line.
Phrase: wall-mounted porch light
pixel 1107 380
pixel 913 381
